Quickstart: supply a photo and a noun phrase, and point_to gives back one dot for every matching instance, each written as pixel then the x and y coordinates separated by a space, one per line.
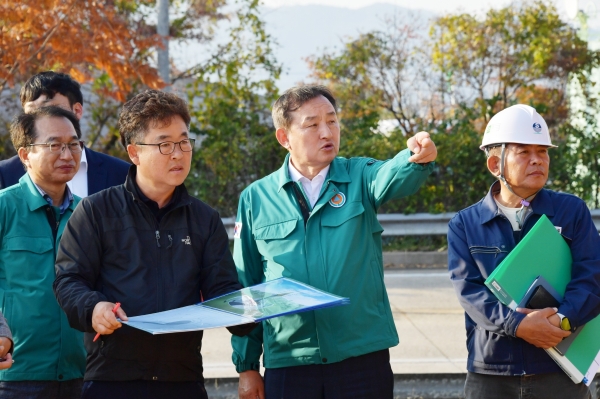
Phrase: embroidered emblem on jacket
pixel 338 200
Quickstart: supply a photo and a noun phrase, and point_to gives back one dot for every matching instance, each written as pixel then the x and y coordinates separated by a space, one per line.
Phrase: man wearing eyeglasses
pixel 97 170
pixel 49 355
pixel 152 247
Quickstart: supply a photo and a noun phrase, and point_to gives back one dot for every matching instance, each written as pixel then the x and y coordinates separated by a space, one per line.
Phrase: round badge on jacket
pixel 337 200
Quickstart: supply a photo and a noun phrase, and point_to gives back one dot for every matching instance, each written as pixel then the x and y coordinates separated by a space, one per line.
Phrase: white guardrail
pixel 418 224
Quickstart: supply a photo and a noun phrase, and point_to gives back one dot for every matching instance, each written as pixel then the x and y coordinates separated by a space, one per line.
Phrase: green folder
pixel 543 252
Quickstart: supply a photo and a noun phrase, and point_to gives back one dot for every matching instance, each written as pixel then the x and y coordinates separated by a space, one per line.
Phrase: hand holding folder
pixel 541 295
pixel 536 329
pixel 543 252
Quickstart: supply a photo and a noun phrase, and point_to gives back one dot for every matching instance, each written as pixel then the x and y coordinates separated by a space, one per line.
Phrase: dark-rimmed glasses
pixel 75 147
pixel 167 147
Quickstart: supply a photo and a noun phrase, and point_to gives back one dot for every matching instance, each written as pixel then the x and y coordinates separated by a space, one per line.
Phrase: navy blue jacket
pixel 104 171
pixel 479 238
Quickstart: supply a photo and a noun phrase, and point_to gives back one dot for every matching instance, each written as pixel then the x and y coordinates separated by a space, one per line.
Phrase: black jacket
pixel 113 249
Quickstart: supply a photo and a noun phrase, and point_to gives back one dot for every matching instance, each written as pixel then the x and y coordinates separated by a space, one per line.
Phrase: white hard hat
pixel 520 124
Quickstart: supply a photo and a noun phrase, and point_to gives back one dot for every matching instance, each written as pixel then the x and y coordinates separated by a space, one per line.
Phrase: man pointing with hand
pixel 315 221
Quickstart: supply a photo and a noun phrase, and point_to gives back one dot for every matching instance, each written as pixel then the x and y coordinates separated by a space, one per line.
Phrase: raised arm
pixel 402 175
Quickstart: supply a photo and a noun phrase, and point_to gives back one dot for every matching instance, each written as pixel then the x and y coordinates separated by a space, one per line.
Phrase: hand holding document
pixel 274 298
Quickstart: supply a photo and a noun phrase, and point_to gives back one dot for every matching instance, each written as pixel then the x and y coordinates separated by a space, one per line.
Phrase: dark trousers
pixel 537 386
pixel 41 389
pixel 363 377
pixel 143 389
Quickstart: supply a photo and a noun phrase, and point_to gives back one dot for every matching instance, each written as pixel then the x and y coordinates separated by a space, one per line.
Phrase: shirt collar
pixel 67 201
pixel 295 175
pixel 540 205
pixel 83 161
pixel 337 172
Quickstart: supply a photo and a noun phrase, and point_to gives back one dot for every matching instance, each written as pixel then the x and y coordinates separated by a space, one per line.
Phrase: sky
pixel 302 32
pixel 437 6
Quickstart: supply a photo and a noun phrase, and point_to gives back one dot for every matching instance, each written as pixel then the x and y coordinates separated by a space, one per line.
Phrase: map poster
pixel 249 305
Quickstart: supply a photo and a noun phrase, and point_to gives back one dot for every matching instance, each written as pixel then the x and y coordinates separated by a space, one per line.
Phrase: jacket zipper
pixel 160 288
pixel 485 250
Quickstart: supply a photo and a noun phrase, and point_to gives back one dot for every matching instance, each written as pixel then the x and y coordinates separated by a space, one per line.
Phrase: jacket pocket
pixel 378 286
pixel 489 349
pixel 31 260
pixel 36 245
pixel 487 257
pixel 275 230
pixel 483 249
pixel 334 217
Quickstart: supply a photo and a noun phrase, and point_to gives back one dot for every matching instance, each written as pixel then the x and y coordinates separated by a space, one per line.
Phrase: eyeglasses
pixel 75 146
pixel 167 147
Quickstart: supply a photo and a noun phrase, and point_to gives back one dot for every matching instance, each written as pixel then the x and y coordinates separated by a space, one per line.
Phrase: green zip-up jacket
pixel 46 348
pixel 338 251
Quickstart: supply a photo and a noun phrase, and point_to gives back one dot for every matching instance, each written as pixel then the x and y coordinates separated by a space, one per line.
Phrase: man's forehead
pixel 183 134
pixel 43 101
pixel 168 129
pixel 313 108
pixel 54 128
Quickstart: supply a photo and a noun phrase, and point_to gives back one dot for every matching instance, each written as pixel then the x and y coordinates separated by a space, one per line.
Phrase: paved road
pixel 428 317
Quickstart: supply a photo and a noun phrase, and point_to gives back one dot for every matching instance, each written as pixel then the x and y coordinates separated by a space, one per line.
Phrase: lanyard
pixel 302 201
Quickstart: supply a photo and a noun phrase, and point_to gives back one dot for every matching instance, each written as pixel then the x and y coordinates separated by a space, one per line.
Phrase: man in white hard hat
pixel 506 348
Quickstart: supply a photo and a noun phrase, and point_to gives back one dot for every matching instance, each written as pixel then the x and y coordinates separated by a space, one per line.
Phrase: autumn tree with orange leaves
pixel 80 37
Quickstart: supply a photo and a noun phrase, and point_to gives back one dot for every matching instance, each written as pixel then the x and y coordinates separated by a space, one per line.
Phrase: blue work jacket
pixel 479 238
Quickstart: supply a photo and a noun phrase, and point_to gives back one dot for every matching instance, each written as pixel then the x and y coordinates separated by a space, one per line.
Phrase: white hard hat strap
pixel 501 177
pixel 525 202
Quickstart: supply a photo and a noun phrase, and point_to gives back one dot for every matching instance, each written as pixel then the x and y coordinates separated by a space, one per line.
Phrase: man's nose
pixel 536 159
pixel 66 153
pixel 177 153
pixel 325 131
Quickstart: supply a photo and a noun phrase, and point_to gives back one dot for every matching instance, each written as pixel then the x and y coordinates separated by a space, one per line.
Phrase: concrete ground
pixel 429 320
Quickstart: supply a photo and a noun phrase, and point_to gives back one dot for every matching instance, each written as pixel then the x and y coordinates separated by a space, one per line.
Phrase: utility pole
pixel 163 31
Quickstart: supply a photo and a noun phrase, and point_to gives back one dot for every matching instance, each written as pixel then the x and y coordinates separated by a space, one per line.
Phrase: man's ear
pixel 24 156
pixel 78 110
pixel 133 152
pixel 493 165
pixel 282 138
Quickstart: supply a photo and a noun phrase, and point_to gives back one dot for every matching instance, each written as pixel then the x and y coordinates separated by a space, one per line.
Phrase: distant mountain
pixel 302 31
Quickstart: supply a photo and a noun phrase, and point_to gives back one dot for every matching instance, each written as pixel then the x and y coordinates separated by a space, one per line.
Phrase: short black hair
pixel 22 128
pixel 49 83
pixel 294 98
pixel 150 108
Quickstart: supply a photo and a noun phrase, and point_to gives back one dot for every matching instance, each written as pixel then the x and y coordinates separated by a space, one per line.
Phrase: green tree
pixel 575 164
pixel 232 97
pixel 377 76
pixel 451 83
pixel 523 52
